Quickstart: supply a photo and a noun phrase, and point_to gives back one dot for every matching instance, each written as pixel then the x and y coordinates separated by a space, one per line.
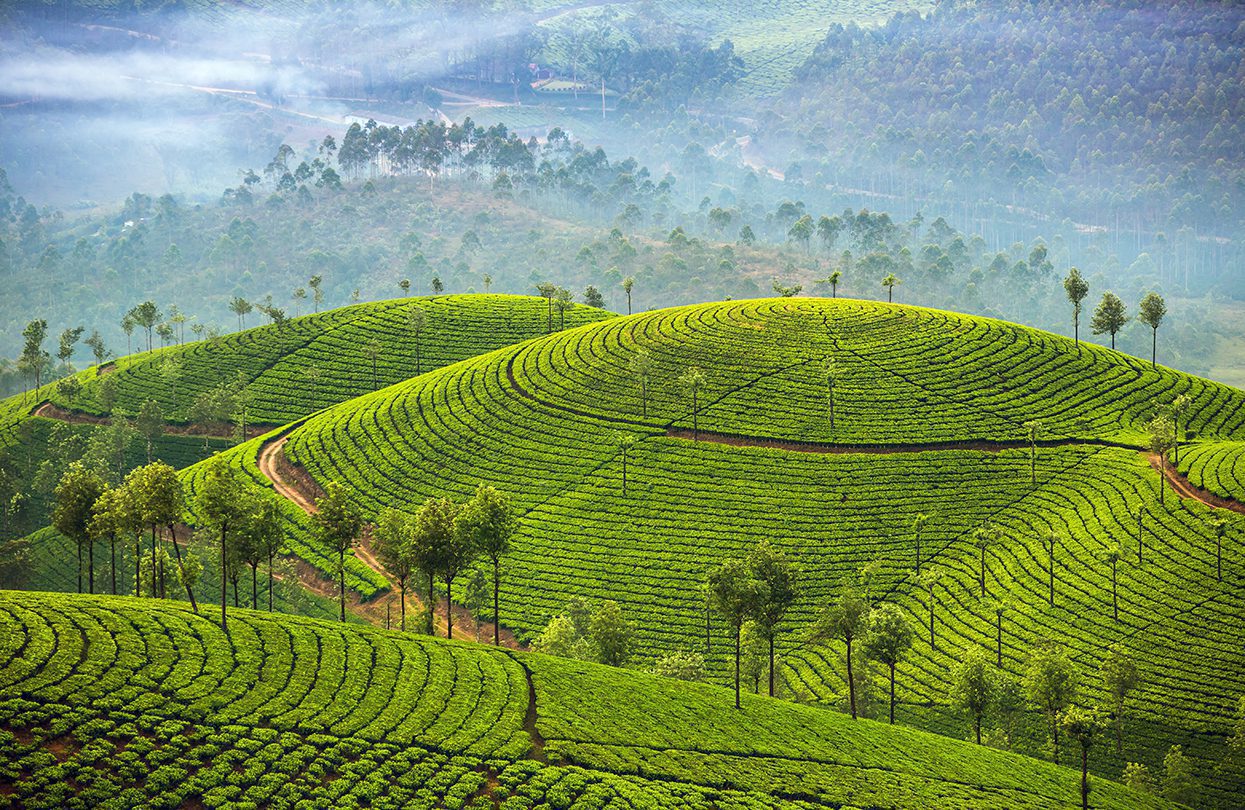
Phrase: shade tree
pixel 972 686
pixel 888 640
pixel 338 523
pixel 846 619
pixel 1075 288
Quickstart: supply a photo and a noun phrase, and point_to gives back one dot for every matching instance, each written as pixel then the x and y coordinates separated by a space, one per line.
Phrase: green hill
pixel 283 372
pixel 931 405
pixel 286 373
pixel 115 701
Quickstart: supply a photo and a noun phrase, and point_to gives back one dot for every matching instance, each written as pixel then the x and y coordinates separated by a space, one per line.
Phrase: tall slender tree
pixel 846 619
pixel 1151 312
pixel 1034 430
pixel 1162 435
pixel 1050 681
pixel 1109 317
pixel 641 367
pixel 392 539
pixel 928 580
pixel 338 522
pixel 692 381
pixel 972 686
pixel 1076 288
pixel 733 593
pixel 76 493
pixel 432 533
pixel 778 592
pixel 918 530
pixel 889 283
pixel 1120 677
pixel 1082 725
pixel 628 284
pixel 889 638
pixel 489 521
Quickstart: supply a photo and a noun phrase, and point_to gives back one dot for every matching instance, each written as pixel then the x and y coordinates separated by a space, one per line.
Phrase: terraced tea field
pixel 322 359
pixel 930 412
pixel 118 702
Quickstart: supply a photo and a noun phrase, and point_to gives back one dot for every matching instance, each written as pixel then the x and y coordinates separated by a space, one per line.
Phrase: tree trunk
pixel 112 568
pixel 432 608
pixel 270 583
pixel 449 607
pixel 695 417
pixel 341 590
pixel 931 619
pixel 224 564
pixel 181 569
pixel 977 727
pixel 707 638
pixel 138 564
pixel 1084 777
pixel 233 581
pixel 851 681
pixel 983 573
pixel 255 586
pixel 771 662
pixel 90 566
pixel 1052 573
pixel 79 545
pixel 1154 348
pixel 999 638
pixel 402 607
pixel 739 631
pixel 496 610
pixel 892 666
pixel 153 561
pixel 1054 724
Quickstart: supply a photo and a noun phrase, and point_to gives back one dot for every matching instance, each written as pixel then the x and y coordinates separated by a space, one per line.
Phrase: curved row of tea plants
pixel 321 359
pixel 903 375
pixel 120 702
pixel 547 421
pixel 1218 467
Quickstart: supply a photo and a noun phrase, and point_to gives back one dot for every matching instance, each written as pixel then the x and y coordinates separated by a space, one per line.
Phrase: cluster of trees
pixel 144 513
pixel 1145 135
pixel 1111 313
pixel 600 634
pixel 443 539
pixel 760 589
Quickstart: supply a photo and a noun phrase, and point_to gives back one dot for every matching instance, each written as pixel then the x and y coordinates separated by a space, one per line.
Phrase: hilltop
pixel 119 700
pixel 930 413
pixel 209 391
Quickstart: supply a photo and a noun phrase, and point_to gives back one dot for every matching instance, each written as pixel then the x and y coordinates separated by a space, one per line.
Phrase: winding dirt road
pixel 297 486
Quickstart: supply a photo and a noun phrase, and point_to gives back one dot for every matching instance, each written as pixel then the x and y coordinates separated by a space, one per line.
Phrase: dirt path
pixel 296 485
pixel 871 449
pixel 1186 489
pixel 50 410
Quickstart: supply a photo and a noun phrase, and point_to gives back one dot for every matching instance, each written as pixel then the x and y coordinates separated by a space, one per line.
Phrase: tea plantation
pixel 318 360
pixel 119 702
pixel 930 411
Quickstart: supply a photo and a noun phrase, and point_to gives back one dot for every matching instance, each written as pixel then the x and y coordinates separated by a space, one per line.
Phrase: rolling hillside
pixel 930 412
pixel 123 702
pixel 286 372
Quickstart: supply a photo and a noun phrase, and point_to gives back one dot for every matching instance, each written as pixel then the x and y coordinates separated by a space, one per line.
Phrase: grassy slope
pixel 907 375
pixel 274 362
pixel 135 702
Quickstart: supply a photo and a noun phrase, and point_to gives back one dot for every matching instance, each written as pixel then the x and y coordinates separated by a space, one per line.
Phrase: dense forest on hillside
pixel 1128 116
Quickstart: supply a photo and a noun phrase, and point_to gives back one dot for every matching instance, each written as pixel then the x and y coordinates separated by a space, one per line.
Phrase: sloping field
pixel 115 701
pixel 929 418
pixel 318 360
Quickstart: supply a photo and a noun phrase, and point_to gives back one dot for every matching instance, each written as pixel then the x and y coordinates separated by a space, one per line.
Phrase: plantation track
pixel 293 484
pixel 50 410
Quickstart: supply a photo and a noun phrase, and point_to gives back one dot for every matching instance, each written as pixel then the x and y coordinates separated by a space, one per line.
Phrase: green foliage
pixel 909 380
pixel 286 711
